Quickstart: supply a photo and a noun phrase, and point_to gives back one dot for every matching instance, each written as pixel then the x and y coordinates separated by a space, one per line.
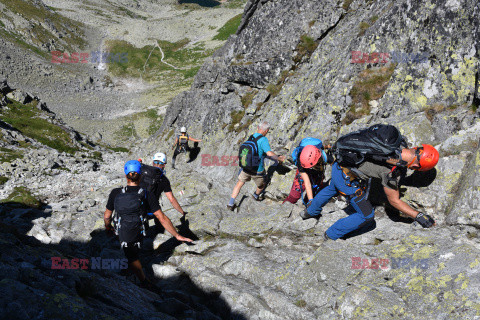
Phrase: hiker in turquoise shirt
pixel 259 176
pixel 263 149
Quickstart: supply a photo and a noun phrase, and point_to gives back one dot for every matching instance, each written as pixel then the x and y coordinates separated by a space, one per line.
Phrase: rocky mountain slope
pixel 310 68
pixel 89 90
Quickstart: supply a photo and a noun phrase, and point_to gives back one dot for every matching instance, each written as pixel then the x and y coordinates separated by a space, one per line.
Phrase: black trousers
pixel 178 150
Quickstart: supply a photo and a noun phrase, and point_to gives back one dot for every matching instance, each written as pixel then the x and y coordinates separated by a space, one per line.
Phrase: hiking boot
pixel 259 197
pixel 231 208
pixel 305 215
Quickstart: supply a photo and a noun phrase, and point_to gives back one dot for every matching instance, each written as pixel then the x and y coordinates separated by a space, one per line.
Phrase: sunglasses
pixel 418 154
pixel 158 162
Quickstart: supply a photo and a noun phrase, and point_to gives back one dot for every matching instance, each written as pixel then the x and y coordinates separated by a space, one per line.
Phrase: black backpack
pixel 248 157
pixel 378 143
pixel 151 177
pixel 130 210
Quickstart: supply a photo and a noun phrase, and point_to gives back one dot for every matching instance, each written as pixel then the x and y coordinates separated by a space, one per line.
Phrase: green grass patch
pixel 305 47
pixel 127 131
pixel 147 64
pixel 346 4
pixel 155 121
pixel 371 84
pixel 248 98
pixel 73 30
pixel 16 39
pixel 229 28
pixel 125 12
pixel 373 19
pixel 275 88
pixel 363 26
pixel 97 155
pixel 22 197
pixel 169 135
pixel 3 180
pixel 27 119
pixel 119 149
pixel 235 4
pixel 237 116
pixel 8 155
pixel 475 104
pixel 190 73
pixel 301 303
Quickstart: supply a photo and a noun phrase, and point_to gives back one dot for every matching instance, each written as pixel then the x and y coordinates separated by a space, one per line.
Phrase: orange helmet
pixel 310 156
pixel 427 157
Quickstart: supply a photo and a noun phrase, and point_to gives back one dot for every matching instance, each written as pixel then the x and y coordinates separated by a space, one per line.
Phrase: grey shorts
pixel 259 179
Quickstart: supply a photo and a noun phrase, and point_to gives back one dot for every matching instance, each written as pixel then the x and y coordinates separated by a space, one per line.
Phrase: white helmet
pixel 183 129
pixel 160 157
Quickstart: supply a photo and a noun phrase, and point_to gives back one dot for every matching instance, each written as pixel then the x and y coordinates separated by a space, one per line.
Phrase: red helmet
pixel 427 157
pixel 310 156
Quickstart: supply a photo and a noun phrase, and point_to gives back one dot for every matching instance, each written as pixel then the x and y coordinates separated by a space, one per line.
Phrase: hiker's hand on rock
pixel 183 239
pixel 425 220
pixel 281 158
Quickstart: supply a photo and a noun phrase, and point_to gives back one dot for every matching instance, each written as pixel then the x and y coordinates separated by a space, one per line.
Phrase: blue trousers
pixel 364 211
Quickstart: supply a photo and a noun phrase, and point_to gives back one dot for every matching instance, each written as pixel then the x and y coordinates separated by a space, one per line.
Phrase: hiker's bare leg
pixel 236 189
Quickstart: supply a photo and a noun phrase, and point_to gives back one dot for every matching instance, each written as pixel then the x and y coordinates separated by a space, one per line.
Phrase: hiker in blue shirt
pixel 257 172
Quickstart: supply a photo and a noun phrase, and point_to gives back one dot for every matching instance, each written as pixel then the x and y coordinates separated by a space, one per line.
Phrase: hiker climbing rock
pixel 130 204
pixel 379 152
pixel 155 181
pixel 251 160
pixel 310 159
pixel 181 144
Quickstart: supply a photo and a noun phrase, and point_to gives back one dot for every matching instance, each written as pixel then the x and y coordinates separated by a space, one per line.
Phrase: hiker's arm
pixel 167 224
pixel 174 202
pixel 107 218
pixel 393 197
pixel 273 156
pixel 175 143
pixel 194 140
pixel 308 185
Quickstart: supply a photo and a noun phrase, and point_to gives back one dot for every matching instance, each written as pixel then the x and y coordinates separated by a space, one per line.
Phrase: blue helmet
pixel 311 142
pixel 133 166
pixel 308 142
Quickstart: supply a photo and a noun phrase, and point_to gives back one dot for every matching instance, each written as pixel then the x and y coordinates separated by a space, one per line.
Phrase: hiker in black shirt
pixel 131 204
pixel 160 161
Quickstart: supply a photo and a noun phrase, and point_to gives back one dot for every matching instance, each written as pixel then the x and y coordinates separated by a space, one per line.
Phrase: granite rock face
pixel 335 69
pixel 310 68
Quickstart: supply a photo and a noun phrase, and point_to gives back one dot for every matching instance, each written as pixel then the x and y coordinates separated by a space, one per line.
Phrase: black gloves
pixel 425 220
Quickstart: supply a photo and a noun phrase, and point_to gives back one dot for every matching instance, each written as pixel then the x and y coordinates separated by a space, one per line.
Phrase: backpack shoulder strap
pixel 258 137
pixel 252 138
